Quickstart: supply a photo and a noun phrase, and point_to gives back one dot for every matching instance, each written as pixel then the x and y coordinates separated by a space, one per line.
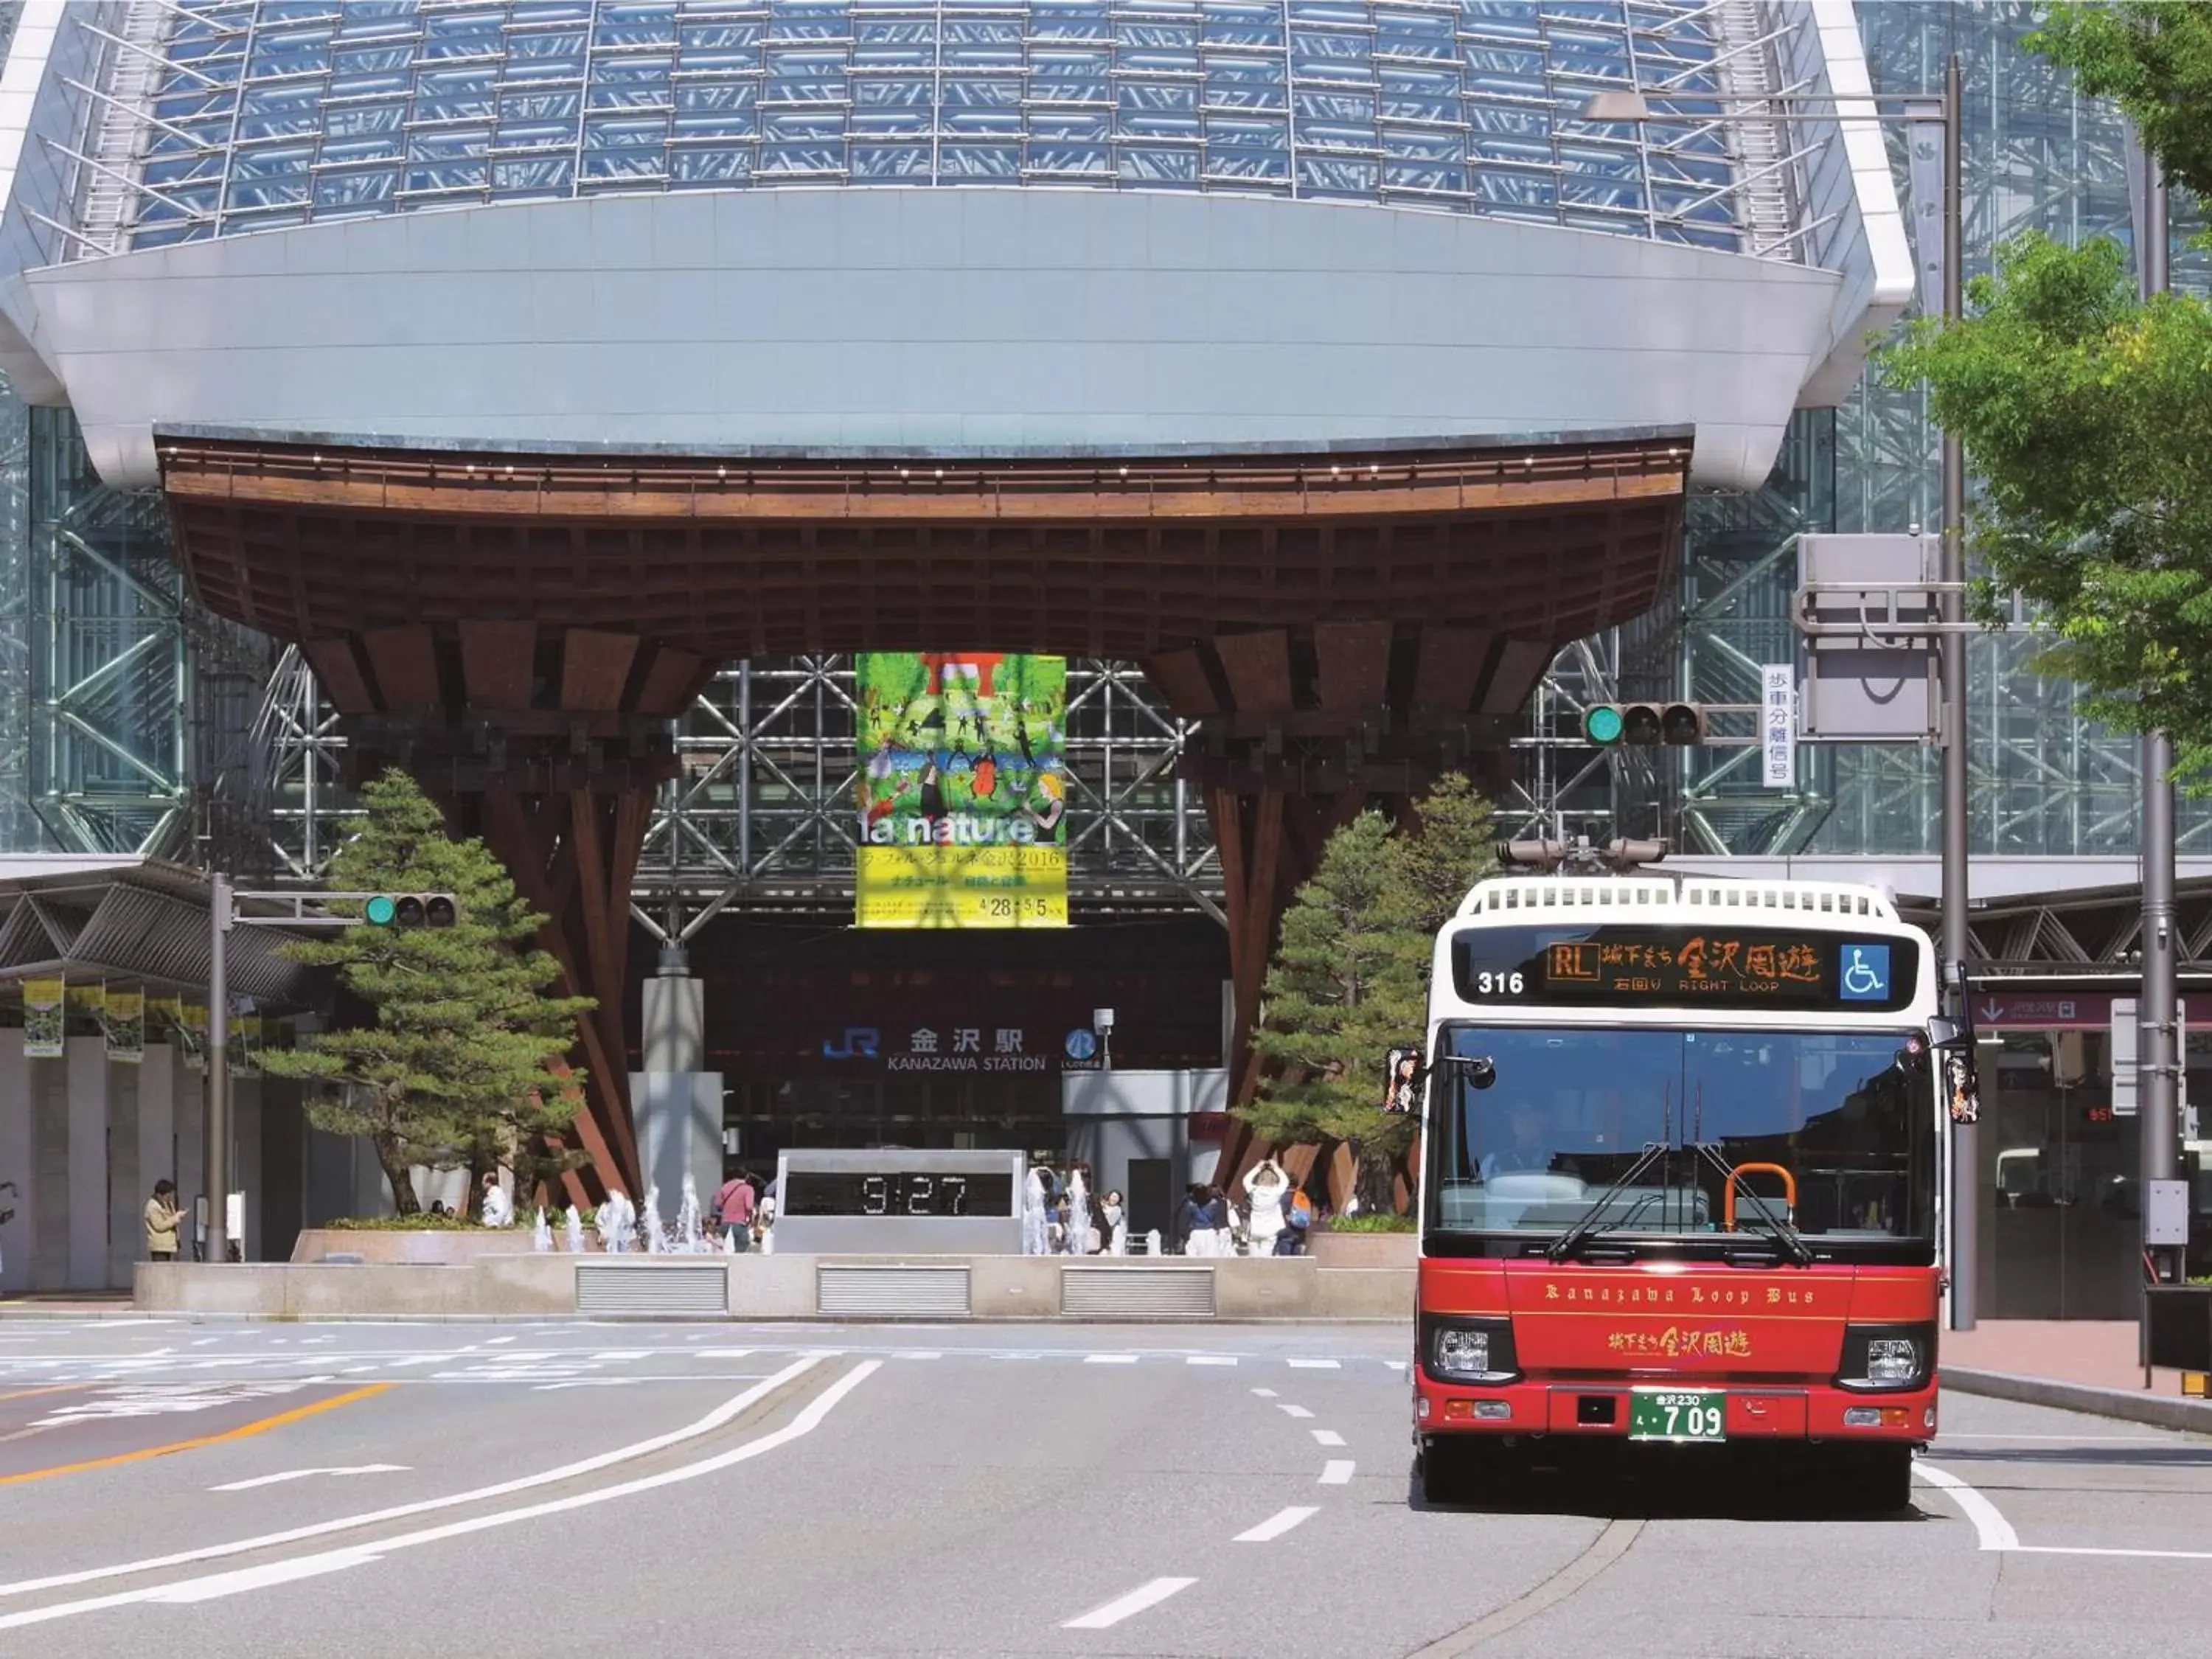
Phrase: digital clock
pixel 897 1192
pixel 945 1201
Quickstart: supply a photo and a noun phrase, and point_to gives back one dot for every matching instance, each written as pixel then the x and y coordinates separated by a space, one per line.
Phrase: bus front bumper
pixel 1605 1406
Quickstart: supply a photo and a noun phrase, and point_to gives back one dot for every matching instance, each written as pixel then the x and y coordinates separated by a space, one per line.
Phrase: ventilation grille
pixel 1136 1292
pixel 604 1289
pixel 935 1293
pixel 1525 893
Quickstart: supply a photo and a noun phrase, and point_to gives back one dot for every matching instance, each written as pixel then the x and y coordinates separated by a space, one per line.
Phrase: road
pixel 391 1489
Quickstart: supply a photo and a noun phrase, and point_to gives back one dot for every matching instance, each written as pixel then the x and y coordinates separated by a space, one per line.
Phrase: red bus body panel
pixel 1771 1337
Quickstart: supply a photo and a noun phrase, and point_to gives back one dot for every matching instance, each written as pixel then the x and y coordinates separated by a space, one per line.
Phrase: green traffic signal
pixel 410 910
pixel 379 911
pixel 1602 724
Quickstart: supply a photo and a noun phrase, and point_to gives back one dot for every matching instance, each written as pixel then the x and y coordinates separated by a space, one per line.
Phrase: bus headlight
pixel 1887 1357
pixel 1460 1349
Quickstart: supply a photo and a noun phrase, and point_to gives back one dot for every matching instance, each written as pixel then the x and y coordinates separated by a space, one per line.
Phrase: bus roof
pixel 1649 895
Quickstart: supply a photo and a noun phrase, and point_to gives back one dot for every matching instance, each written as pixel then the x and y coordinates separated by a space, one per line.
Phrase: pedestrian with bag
pixel 733 1209
pixel 163 1218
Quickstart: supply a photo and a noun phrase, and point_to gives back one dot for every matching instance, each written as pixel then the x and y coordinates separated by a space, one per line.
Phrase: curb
pixel 2159 1411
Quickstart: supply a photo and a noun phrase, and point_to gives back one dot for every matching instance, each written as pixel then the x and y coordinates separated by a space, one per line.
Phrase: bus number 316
pixel 1487 983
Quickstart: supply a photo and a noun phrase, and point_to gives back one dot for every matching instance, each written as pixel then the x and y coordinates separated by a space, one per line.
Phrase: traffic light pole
pixel 223 915
pixel 2158 1050
pixel 214 1157
pixel 1965 1195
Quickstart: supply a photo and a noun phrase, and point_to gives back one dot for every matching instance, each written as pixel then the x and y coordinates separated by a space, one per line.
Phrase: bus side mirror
pixel 1947 1037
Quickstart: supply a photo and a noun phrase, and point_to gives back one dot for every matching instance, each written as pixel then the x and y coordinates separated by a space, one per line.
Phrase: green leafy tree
pixel 1350 979
pixel 457 1066
pixel 2156 61
pixel 2083 411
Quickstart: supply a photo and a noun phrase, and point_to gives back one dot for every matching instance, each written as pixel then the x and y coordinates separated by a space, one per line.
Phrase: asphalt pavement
pixel 393 1490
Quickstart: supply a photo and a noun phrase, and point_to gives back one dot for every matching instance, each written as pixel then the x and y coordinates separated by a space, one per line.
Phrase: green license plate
pixel 1677 1414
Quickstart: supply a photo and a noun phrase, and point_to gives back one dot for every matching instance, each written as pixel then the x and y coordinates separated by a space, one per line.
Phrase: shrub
pixel 1369 1224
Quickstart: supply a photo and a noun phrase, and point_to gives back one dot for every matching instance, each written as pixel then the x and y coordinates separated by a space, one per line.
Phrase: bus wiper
pixel 1587 1223
pixel 1792 1241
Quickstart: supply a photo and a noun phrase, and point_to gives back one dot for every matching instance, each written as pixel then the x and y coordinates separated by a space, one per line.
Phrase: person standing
pixel 163 1218
pixel 1266 1186
pixel 733 1208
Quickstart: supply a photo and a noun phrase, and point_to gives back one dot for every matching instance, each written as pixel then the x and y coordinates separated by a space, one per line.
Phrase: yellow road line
pixel 240 1433
pixel 51 1388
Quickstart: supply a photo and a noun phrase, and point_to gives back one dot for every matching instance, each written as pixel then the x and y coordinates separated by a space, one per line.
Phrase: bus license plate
pixel 1677 1414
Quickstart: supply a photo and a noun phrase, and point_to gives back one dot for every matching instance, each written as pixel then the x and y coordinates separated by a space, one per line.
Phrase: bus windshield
pixel 1850 1115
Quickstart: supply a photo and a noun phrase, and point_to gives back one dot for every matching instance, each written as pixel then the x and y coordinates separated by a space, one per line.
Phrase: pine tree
pixel 458 1066
pixel 1350 979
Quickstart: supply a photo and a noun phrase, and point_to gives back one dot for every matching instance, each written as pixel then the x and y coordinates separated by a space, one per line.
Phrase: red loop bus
pixel 1680 1177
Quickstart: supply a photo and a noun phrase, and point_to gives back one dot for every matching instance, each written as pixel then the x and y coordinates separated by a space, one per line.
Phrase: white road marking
pixel 625 1353
pixel 1337 1472
pixel 1327 1437
pixel 707 1425
pixel 1210 1359
pixel 1995 1532
pixel 1395 1365
pixel 494 1341
pixel 1316 1365
pixel 1109 1359
pixel 1276 1524
pixel 587 1382
pixel 1265 1394
pixel 722 1354
pixel 1145 1596
pixel 916 1353
pixel 301 1474
pixel 220 1584
pixel 2082 1549
pixel 805 1423
pixel 1288 1410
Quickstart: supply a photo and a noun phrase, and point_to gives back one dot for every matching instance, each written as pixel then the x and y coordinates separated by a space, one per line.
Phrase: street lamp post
pixel 1629 105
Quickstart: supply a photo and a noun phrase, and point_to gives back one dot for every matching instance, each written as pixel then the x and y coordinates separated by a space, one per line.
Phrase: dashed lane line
pixel 1276 1524
pixel 1288 1410
pixel 1109 1359
pixel 1327 1438
pixel 1316 1365
pixel 1145 1596
pixel 1337 1472
pixel 1265 1394
pixel 1209 1359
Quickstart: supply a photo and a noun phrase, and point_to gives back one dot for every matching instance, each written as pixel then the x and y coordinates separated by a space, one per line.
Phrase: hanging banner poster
pixel 245 1046
pixel 125 1026
pixel 962 790
pixel 192 1032
pixel 43 1024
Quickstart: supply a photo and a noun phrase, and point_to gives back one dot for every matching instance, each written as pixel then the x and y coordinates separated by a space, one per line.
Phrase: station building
pixel 563 401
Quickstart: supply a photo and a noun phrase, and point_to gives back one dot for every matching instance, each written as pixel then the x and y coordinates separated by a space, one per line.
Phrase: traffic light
pixel 410 910
pixel 1608 724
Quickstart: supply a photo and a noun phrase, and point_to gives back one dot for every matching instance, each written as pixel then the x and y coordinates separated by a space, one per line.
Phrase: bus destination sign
pixel 1723 967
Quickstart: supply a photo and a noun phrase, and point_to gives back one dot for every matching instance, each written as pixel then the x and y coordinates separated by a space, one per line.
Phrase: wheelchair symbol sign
pixel 1865 973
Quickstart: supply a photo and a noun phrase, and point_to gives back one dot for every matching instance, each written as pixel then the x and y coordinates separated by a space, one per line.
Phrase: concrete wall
pixel 775 1287
pixel 925 319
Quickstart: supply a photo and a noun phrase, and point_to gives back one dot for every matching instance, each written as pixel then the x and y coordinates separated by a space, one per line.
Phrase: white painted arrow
pixel 301 1474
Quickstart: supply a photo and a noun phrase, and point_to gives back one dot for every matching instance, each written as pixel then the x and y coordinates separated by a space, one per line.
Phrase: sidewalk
pixel 2082 1365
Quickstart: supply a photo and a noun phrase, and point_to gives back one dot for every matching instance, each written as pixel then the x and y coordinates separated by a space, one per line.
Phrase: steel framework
pixel 2045 780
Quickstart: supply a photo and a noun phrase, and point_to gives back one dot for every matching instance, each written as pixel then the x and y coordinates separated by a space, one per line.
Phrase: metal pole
pixel 215 1162
pixel 1966 1163
pixel 2158 1059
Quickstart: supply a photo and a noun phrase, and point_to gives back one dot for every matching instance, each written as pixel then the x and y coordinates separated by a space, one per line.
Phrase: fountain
pixel 575 1230
pixel 1033 1221
pixel 688 1240
pixel 617 1221
pixel 656 1237
pixel 1079 1214
pixel 541 1235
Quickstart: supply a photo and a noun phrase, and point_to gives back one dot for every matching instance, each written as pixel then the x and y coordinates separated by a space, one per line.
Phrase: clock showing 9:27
pixel 893 1192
